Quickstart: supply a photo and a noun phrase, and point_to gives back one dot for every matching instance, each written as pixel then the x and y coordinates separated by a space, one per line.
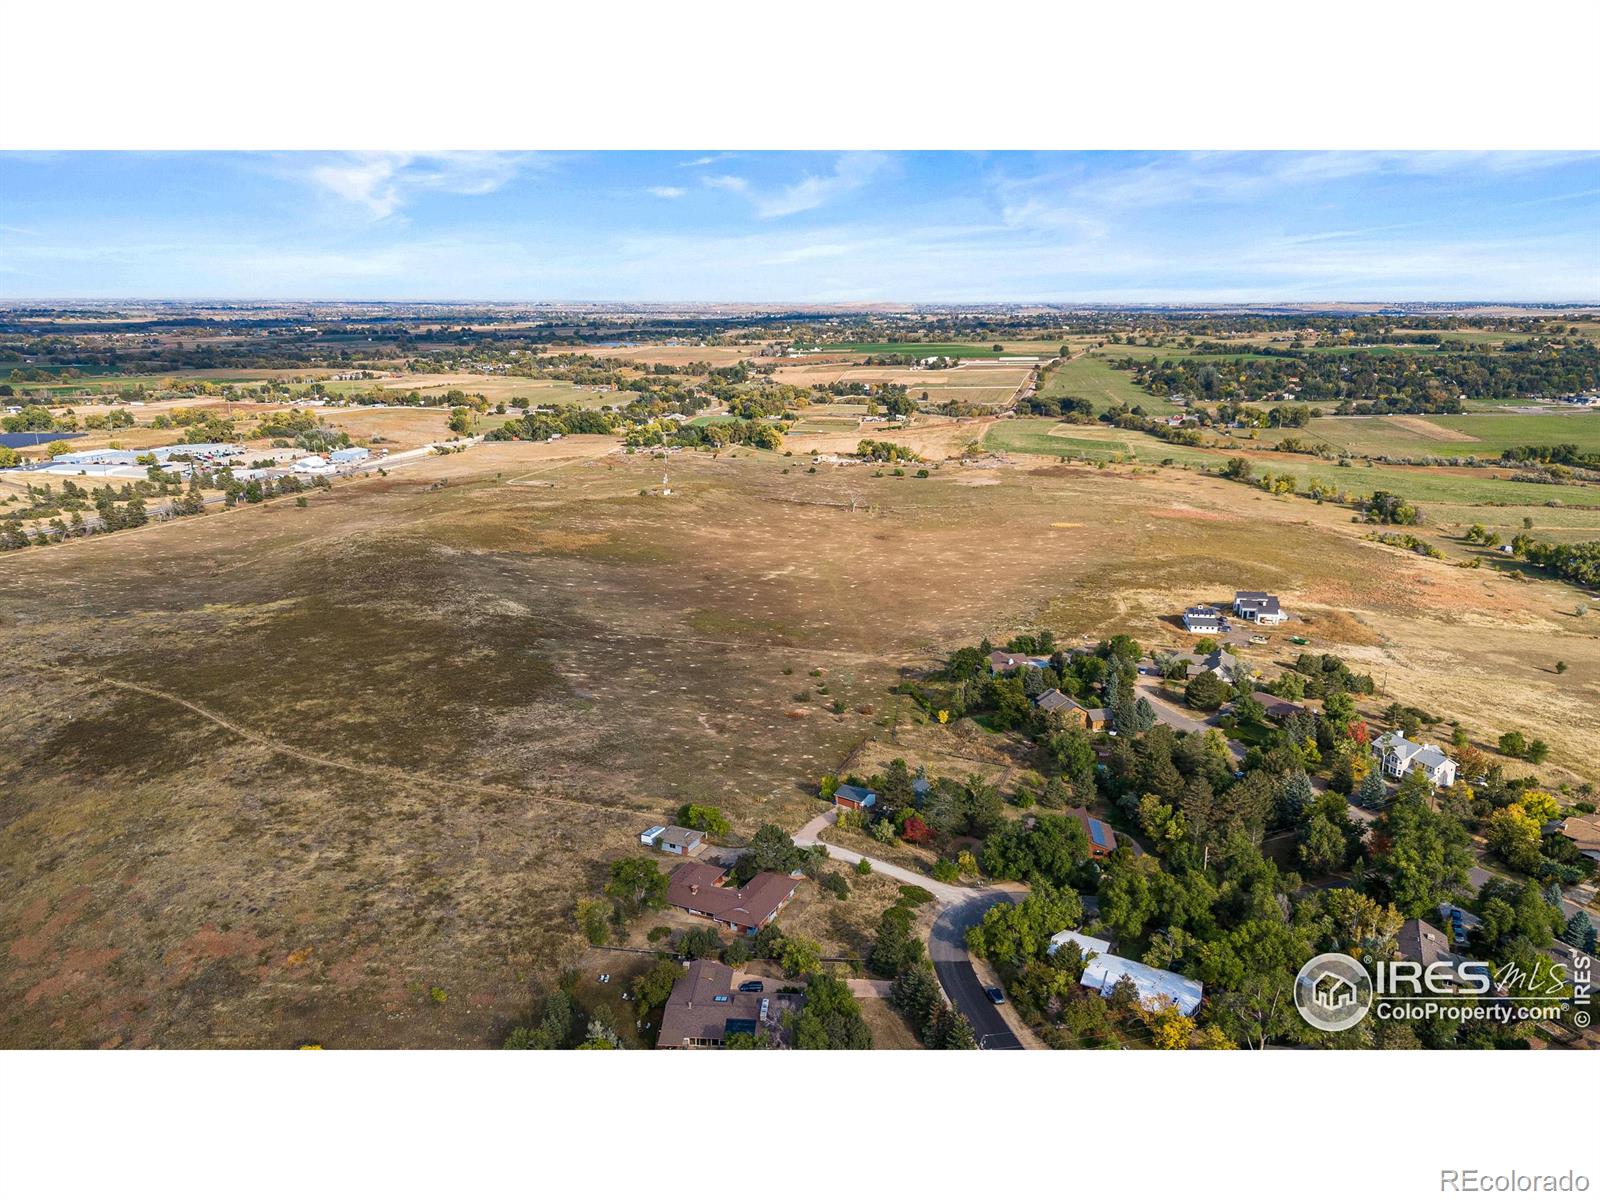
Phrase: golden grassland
pixel 274 775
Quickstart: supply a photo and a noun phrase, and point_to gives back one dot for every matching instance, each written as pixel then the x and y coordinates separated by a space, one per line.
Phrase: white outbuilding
pixel 1157 988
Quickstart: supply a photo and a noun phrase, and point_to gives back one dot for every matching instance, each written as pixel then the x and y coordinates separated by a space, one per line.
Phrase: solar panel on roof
pixel 1098 832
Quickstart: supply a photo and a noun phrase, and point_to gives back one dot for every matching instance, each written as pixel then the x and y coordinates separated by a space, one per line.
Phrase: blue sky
pixel 790 226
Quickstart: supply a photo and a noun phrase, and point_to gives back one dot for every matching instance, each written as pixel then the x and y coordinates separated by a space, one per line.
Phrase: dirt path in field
pixel 390 774
pixel 1427 428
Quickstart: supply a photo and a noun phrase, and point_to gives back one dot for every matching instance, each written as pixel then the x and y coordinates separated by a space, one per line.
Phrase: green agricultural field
pixel 1177 353
pixel 1505 522
pixel 1424 485
pixel 1478 337
pixel 1400 348
pixel 1484 435
pixel 1092 378
pixel 1045 435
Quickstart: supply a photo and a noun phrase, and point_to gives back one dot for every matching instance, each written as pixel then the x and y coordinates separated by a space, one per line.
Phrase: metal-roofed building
pixel 847 795
pixel 1156 988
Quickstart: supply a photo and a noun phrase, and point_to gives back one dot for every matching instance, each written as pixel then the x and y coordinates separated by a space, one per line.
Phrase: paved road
pixel 811 835
pixel 947 946
pixel 1177 716
pixel 1477 877
pixel 960 908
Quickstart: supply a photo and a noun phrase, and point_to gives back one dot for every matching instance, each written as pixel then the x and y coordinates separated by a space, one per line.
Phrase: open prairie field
pixel 274 775
pixel 1483 434
pixel 397 428
pixel 934 438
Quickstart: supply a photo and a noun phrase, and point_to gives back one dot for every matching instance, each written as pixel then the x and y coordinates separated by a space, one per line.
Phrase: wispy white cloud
pixel 668 193
pixel 850 171
pixel 383 184
pixel 1075 194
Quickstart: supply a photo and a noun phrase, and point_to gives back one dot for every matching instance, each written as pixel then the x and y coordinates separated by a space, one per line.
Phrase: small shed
pixel 847 795
pixel 675 839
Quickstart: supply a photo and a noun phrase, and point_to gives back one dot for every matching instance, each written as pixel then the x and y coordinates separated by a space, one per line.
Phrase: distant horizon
pixel 1084 228
pixel 786 306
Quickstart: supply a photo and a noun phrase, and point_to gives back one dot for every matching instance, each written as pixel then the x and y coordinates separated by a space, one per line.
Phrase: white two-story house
pixel 1401 756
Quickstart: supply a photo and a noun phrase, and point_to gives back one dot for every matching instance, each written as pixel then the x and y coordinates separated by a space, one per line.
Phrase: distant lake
pixel 17 441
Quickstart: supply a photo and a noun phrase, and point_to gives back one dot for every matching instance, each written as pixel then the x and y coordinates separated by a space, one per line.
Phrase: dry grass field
pixel 672 356
pixel 398 428
pixel 274 775
pixel 977 376
pixel 934 438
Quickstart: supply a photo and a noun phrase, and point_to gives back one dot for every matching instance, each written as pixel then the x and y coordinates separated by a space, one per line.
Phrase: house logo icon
pixel 1333 992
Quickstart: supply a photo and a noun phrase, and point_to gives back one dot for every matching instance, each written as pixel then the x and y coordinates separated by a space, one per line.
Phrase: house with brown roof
pixel 1583 831
pixel 1277 707
pixel 1003 662
pixel 696 887
pixel 1420 942
pixel 1057 703
pixel 713 1001
pixel 1102 839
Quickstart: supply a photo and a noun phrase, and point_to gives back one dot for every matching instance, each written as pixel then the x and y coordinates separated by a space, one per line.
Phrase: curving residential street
pixel 960 908
pixel 947 946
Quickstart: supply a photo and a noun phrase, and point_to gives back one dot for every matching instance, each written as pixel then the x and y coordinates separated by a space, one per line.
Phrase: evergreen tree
pixel 1124 713
pixel 1370 793
pixel 958 1034
pixel 915 993
pixel 1294 798
pixel 1144 716
pixel 1580 932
